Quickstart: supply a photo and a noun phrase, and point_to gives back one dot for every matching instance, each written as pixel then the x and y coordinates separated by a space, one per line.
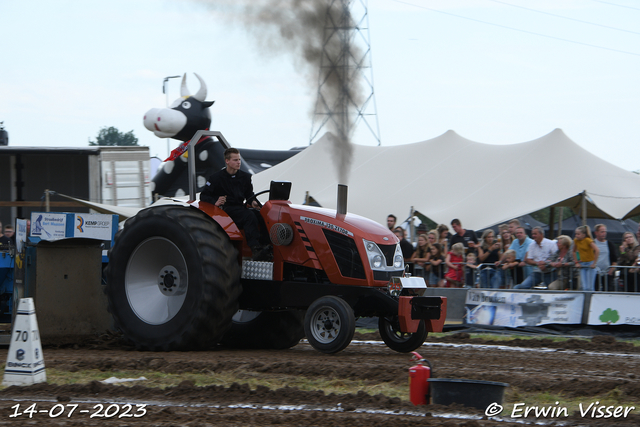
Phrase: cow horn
pixel 183 87
pixel 201 95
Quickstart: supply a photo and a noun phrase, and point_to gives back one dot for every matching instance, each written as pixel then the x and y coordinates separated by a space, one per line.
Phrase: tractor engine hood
pixel 350 224
pixel 349 248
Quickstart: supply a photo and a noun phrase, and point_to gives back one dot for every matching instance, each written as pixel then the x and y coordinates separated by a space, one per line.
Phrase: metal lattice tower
pixel 345 96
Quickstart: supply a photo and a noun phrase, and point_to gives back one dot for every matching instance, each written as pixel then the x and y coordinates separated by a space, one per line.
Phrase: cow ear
pixel 207 104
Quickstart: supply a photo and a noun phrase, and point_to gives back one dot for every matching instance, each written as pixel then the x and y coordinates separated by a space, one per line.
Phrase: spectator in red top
pixel 468 239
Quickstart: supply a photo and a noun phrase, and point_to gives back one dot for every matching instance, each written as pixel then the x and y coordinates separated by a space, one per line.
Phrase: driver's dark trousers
pixel 247 221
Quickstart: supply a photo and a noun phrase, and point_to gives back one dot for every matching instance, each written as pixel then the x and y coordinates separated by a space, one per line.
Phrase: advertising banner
pixel 56 226
pixel 93 226
pixel 611 309
pixel 512 309
pixel 48 225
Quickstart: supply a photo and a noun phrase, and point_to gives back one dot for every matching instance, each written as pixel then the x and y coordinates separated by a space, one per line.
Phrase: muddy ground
pixel 578 369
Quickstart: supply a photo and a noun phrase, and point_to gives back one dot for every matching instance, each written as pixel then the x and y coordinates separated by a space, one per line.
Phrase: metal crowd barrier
pixel 623 278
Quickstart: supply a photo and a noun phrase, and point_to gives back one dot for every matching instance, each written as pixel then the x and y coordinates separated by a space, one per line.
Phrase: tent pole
pixel 584 207
pixel 560 220
pixel 411 226
pixel 552 223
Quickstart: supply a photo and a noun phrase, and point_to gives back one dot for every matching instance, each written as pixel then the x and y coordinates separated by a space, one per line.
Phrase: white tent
pixel 451 177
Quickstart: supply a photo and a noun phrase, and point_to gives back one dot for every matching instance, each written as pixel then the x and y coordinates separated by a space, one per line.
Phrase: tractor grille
pixel 388 251
pixel 387 275
pixel 346 254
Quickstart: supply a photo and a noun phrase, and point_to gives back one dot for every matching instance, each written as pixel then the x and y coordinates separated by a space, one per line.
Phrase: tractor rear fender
pixel 222 219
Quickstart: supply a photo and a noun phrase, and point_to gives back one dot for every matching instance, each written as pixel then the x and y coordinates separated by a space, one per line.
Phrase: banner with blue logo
pixel 56 226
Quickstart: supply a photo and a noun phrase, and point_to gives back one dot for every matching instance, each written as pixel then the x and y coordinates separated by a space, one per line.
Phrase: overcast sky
pixel 492 72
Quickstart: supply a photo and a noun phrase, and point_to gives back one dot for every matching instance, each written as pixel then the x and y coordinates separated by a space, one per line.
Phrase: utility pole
pixel 345 96
pixel 166 93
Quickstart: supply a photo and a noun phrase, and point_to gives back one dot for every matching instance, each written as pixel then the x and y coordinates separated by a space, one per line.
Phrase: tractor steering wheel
pixel 255 197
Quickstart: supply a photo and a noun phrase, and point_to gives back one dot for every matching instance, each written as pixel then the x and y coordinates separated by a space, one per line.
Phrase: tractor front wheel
pixel 402 342
pixel 329 324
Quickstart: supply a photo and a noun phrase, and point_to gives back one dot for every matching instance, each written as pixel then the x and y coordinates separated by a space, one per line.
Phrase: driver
pixel 228 189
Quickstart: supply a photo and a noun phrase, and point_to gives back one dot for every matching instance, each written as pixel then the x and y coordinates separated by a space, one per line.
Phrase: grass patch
pixel 366 330
pixel 553 403
pixel 338 386
pixel 510 337
pixel 252 379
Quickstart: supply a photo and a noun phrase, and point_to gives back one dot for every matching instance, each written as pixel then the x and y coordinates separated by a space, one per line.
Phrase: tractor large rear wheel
pixel 173 280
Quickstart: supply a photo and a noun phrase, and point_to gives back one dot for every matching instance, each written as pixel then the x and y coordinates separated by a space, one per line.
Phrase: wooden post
pixel 584 207
pixel 560 220
pixel 412 229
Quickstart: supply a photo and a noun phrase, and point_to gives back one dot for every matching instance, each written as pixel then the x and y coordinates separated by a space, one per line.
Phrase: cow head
pixel 187 115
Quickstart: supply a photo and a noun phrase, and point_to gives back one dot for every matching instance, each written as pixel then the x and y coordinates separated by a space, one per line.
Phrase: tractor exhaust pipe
pixel 342 199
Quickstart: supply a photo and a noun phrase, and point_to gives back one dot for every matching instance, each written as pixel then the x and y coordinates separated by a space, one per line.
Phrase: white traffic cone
pixel 25 361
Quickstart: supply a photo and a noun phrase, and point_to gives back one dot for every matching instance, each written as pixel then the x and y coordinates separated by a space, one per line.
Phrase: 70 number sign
pixel 23 335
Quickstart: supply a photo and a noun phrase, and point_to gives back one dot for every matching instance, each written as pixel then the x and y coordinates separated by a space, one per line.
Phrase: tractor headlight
pixel 384 258
pixel 374 254
pixel 377 261
pixel 398 260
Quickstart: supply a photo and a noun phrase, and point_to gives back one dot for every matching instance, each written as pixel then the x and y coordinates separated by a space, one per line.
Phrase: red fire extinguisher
pixel 418 384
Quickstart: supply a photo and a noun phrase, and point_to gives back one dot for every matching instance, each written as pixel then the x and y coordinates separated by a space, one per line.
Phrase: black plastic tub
pixel 472 393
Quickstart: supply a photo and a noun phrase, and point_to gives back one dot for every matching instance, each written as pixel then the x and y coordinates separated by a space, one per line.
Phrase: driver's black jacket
pixel 238 188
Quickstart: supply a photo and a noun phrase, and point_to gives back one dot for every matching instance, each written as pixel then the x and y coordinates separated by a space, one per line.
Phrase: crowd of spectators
pixel 513 260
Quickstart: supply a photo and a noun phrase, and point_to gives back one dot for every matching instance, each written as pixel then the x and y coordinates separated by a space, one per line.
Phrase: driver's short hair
pixel 229 151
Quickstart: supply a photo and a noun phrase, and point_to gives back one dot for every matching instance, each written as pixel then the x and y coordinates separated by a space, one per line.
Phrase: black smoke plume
pixel 319 36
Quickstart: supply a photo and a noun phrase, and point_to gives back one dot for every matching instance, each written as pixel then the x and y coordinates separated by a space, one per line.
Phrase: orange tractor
pixel 180 277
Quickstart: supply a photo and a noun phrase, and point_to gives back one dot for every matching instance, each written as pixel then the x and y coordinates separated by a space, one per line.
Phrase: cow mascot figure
pixel 187 115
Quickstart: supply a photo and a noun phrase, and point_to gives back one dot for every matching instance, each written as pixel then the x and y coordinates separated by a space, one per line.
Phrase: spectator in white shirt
pixel 538 255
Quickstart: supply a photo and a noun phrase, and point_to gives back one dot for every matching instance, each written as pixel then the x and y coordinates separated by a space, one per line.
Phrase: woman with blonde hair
pixel 562 261
pixel 629 255
pixel 585 252
pixel 433 237
pixel 504 236
pixel 443 237
pixel 421 255
pixel 629 243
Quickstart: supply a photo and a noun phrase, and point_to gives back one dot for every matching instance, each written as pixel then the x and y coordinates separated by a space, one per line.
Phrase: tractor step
pixel 257 270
